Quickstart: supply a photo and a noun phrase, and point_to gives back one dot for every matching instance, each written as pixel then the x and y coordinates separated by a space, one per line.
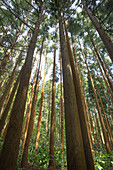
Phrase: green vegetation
pixel 65 120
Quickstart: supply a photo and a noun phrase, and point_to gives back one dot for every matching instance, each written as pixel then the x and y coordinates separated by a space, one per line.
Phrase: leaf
pixel 99 167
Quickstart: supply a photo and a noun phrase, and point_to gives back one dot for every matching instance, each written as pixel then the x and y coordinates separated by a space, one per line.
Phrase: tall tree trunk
pixel 74 142
pixel 8 52
pixel 10 83
pixel 53 115
pixel 108 149
pixel 106 120
pixel 97 123
pixel 8 157
pixel 104 37
pixel 49 110
pixel 83 97
pixel 24 162
pixel 61 105
pixel 81 108
pixel 105 98
pixel 9 103
pixel 28 111
pixel 41 105
pixel 3 83
pixel 105 71
pixel 108 89
pixel 92 128
pixel 105 63
pixel 5 33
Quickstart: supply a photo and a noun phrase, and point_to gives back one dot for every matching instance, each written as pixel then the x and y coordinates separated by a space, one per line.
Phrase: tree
pixel 15 124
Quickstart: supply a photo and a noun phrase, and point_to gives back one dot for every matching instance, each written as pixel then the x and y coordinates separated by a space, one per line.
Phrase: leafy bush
pixel 103 161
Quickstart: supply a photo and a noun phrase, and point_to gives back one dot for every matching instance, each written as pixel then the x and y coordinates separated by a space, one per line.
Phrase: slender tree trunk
pixel 3 83
pixel 8 53
pixel 108 149
pixel 61 105
pixel 28 111
pixel 106 120
pixel 105 71
pixel 24 162
pixel 10 83
pixel 81 109
pixel 97 123
pixel 9 103
pixel 105 98
pixel 104 37
pixel 8 157
pixel 92 128
pixel 108 89
pixel 83 97
pixel 41 105
pixel 49 106
pixel 53 115
pixel 74 142
pixel 105 63
pixel 5 33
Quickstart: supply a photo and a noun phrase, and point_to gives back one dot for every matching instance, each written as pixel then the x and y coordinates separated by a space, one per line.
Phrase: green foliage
pixel 103 161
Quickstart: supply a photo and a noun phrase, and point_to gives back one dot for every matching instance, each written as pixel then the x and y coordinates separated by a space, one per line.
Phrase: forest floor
pixel 33 167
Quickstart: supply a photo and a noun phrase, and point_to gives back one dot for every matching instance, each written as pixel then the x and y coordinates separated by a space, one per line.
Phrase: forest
pixel 56 84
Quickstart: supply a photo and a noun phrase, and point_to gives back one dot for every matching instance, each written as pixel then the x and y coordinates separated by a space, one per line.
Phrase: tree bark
pixel 8 157
pixel 61 105
pixel 24 162
pixel 108 149
pixel 74 142
pixel 81 108
pixel 41 105
pixel 104 37
pixel 53 116
pixel 10 83
pixel 108 89
pixel 7 107
pixel 105 71
pixel 28 111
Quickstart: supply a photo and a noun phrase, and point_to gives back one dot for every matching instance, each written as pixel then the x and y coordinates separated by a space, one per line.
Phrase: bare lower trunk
pixel 8 157
pixel 108 149
pixel 81 108
pixel 41 105
pixel 53 116
pixel 61 103
pixel 24 162
pixel 74 143
pixel 7 107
